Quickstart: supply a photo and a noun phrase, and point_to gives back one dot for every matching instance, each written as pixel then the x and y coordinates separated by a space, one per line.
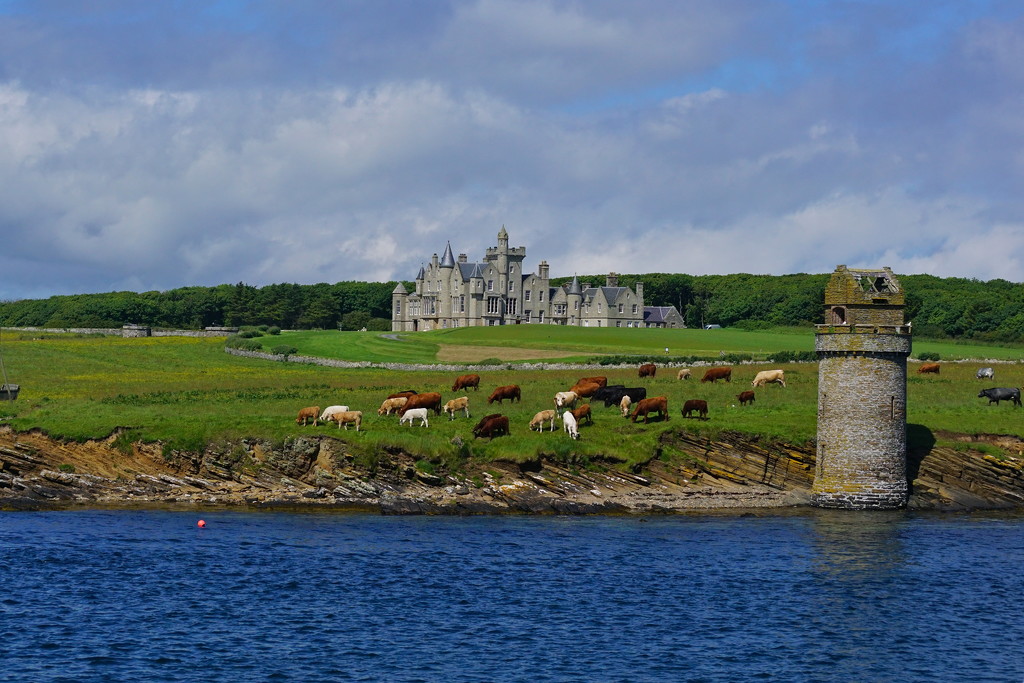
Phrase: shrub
pixel 274 329
pixel 283 350
pixel 67 467
pixel 237 341
pixel 249 334
pixel 928 355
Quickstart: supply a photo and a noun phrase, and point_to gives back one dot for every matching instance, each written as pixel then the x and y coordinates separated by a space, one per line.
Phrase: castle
pixel 457 293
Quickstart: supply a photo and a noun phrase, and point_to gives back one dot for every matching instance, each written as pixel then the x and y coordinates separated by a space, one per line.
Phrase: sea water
pixel 791 596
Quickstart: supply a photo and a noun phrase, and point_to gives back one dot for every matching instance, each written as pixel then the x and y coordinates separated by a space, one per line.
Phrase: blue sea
pixel 253 596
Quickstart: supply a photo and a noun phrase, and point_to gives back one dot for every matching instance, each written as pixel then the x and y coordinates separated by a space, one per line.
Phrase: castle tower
pixel 862 392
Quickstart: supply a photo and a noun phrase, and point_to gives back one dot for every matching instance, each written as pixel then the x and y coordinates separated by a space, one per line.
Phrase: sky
pixel 153 145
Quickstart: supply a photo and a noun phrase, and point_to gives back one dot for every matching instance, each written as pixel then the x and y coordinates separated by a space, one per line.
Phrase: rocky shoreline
pixel 735 472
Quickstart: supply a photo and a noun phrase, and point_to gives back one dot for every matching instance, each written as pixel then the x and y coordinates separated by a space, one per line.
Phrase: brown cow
pixel 647 370
pixel 467 381
pixel 431 400
pixel 509 391
pixel 585 389
pixel 602 381
pixel 307 413
pixel 483 421
pixel 696 405
pixel 402 394
pixel 745 397
pixel 928 367
pixel 715 374
pixel 583 413
pixel 495 426
pixel 647 406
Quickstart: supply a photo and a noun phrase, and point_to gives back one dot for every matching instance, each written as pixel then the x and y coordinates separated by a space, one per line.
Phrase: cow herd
pixel 573 407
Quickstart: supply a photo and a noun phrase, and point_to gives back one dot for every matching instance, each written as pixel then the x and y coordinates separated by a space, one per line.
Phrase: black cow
pixel 1000 394
pixel 607 393
pixel 636 394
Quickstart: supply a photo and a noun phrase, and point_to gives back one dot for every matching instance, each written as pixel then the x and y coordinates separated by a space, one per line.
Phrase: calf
pixel 583 413
pixel 715 374
pixel 569 425
pixel 540 418
pixel 932 368
pixel 745 397
pixel 495 426
pixel 509 391
pixel 647 370
pixel 348 417
pixel 466 381
pixel 1001 394
pixel 684 374
pixel 455 405
pixel 310 413
pixel 696 405
pixel 414 414
pixel 985 373
pixel 624 406
pixel 391 405
pixel 658 404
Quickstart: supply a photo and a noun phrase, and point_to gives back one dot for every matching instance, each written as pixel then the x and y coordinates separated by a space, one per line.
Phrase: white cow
pixel 569 423
pixel 414 413
pixel 684 374
pixel 331 410
pixel 624 405
pixel 455 405
pixel 540 418
pixel 565 399
pixel 769 376
pixel 986 373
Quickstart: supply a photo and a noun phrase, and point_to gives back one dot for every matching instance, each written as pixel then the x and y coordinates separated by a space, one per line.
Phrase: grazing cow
pixel 312 412
pixel 414 414
pixel 647 406
pixel 624 406
pixel 391 405
pixel 509 391
pixel 603 393
pixel 431 400
pixel 331 410
pixel 647 370
pixel 467 381
pixel 928 367
pixel 769 376
pixel 684 374
pixel 1001 394
pixel 986 373
pixel 745 397
pixel 601 381
pixel 540 418
pixel 348 417
pixel 494 426
pixel 483 421
pixel 455 405
pixel 403 394
pixel 586 389
pixel 614 395
pixel 569 425
pixel 715 374
pixel 583 413
pixel 696 405
pixel 565 399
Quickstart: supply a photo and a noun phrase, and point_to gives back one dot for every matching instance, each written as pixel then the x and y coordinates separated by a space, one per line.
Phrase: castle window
pixel 618 323
pixel 493 305
pixel 513 306
pixel 620 308
pixel 398 308
pixel 541 296
pixel 462 303
pixel 490 285
pixel 511 285
pixel 526 295
pixel 634 309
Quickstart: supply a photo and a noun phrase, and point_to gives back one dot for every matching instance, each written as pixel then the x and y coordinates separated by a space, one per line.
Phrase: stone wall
pixel 862 403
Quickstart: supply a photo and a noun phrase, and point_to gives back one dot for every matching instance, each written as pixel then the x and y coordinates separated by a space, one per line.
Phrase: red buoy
pixel 201 523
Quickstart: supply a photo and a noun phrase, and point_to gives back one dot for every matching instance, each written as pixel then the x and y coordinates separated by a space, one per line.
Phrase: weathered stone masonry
pixel 862 393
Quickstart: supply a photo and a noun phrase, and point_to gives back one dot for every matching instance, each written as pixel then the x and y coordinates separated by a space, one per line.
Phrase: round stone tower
pixel 862 393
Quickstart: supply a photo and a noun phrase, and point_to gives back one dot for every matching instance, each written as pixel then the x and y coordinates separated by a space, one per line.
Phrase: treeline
pixel 938 307
pixel 348 305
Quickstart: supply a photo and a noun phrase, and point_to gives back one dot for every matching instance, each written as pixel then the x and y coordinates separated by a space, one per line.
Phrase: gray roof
pixel 574 287
pixel 448 261
pixel 422 274
pixel 610 293
pixel 400 289
pixel 470 270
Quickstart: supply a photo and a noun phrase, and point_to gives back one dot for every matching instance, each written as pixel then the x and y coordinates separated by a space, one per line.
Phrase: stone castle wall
pixel 862 403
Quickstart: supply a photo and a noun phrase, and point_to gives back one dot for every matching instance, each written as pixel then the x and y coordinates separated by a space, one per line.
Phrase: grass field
pixel 187 392
pixel 543 342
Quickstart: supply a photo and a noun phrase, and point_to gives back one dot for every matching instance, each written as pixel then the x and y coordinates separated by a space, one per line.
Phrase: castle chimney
pixel 463 258
pixel 640 292
pixel 612 280
pixel 542 270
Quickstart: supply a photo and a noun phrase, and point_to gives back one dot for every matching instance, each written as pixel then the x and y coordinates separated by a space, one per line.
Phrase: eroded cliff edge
pixel 687 472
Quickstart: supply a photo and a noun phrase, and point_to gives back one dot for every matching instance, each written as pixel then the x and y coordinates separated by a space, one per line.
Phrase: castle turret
pixel 399 308
pixel 862 392
pixel 447 260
